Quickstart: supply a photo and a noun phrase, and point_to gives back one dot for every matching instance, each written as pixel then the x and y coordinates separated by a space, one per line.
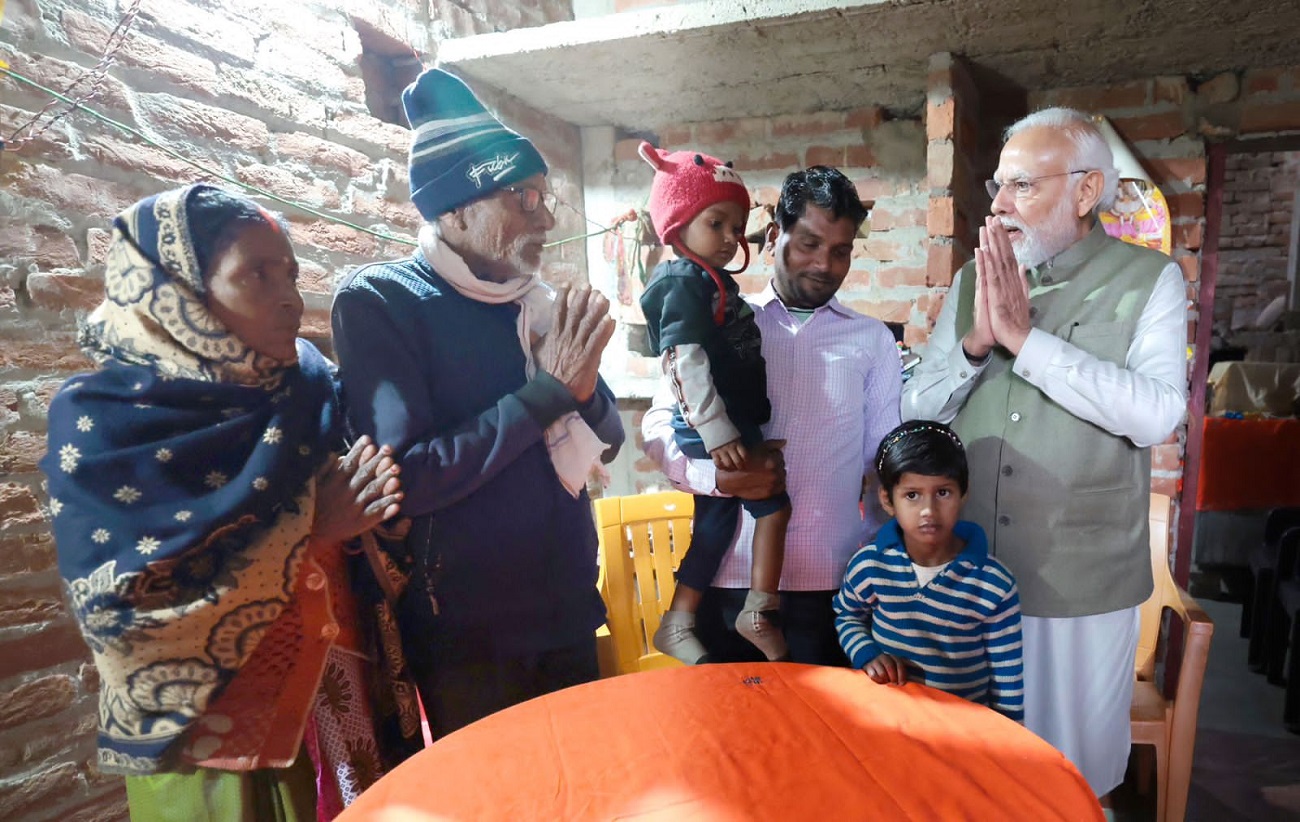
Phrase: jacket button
pixel 1004 520
pixel 1015 416
pixel 1006 470
pixel 330 631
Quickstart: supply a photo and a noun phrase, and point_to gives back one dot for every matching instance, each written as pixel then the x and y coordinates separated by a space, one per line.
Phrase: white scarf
pixel 573 446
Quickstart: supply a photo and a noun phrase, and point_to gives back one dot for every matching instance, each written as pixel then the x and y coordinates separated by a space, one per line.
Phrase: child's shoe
pixel 759 623
pixel 676 638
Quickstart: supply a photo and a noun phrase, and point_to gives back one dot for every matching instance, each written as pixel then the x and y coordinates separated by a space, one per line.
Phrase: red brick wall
pixel 1258 199
pixel 269 100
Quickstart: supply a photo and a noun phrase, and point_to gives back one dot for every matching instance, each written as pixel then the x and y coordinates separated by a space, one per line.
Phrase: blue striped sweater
pixel 962 630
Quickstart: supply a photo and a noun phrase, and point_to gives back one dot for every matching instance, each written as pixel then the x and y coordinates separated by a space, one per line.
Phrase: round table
pixel 749 741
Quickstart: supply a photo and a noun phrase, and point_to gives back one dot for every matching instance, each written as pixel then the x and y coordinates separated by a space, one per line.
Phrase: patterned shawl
pixel 180 488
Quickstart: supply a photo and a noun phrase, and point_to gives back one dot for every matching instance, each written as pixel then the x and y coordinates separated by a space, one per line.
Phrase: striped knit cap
pixel 459 151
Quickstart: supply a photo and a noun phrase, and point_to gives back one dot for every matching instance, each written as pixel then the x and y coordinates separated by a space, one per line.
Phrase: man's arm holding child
pixel 763 475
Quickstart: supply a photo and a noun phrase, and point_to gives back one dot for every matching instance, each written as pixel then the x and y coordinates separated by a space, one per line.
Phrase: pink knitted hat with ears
pixel 686 183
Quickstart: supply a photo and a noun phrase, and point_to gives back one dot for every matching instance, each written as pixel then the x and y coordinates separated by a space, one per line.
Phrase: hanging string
pixel 34 126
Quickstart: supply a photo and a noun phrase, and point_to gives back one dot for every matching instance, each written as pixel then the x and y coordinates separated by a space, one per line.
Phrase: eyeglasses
pixel 1024 187
pixel 531 198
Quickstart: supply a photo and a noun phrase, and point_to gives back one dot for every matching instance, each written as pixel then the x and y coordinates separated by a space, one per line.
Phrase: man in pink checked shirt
pixel 834 381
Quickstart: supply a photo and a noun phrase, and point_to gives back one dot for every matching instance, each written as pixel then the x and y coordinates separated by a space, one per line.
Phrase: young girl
pixel 926 600
pixel 712 355
pixel 200 511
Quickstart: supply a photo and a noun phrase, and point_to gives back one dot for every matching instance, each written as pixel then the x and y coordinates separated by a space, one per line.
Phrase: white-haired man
pixel 1058 358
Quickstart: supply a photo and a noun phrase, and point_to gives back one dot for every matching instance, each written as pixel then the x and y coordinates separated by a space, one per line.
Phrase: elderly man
pixel 834 379
pixel 1058 358
pixel 490 396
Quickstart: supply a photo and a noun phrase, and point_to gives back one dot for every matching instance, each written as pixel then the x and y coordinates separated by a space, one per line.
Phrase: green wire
pixel 247 187
pixel 220 176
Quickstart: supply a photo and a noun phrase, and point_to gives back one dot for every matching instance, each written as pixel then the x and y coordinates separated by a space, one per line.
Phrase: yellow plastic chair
pixel 642 541
pixel 1168 726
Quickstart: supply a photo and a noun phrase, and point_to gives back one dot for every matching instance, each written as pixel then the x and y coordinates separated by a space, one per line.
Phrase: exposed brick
pixel 206 29
pixel 26 553
pixel 46 246
pixel 51 145
pixel 873 189
pixel 675 136
pixel 1187 235
pixel 767 162
pixel 285 184
pixel 394 139
pixel 1101 98
pixel 886 216
pixel 182 67
pixel 333 237
pixel 1170 90
pixel 939 218
pixel 939 164
pixel 67 736
pixel 316 322
pixel 727 131
pixel 403 214
pixel 1188 205
pixel 813 124
pixel 263 92
pixel 1191 266
pixel 58 292
pixel 57 352
pixel 824 156
pixel 864 118
pixel 38 789
pixel 29 607
pixel 1263 81
pixel 1161 126
pixel 939 122
pixel 859 156
pixel 1222 88
pixel 18 506
pixel 626 151
pixel 940 264
pixel 893 311
pixel 97 242
pixel 915 336
pixel 1187 170
pixel 179 117
pixel 296 56
pixel 139 158
pixel 1262 117
pixel 1169 486
pixel 67 192
pixel 879 246
pixel 1166 458
pixel 901 276
pixel 112 95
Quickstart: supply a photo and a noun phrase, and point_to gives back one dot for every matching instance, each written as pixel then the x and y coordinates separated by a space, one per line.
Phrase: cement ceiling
pixel 717 60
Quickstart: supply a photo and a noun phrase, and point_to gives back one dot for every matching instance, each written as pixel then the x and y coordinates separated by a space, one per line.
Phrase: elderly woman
pixel 201 510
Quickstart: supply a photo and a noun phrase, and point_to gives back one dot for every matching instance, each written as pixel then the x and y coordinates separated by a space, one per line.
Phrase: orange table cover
pixel 751 742
pixel 1249 464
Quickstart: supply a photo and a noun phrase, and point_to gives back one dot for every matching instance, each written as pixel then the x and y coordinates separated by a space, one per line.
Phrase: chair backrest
pixel 1165 594
pixel 642 541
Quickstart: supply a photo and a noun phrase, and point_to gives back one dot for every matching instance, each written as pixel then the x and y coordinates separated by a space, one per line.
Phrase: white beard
pixel 1039 244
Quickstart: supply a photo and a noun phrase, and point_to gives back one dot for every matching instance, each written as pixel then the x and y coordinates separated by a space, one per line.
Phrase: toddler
pixel 709 343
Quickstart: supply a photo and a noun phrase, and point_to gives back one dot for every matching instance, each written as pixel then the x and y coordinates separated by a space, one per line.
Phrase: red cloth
pixel 753 741
pixel 1249 464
